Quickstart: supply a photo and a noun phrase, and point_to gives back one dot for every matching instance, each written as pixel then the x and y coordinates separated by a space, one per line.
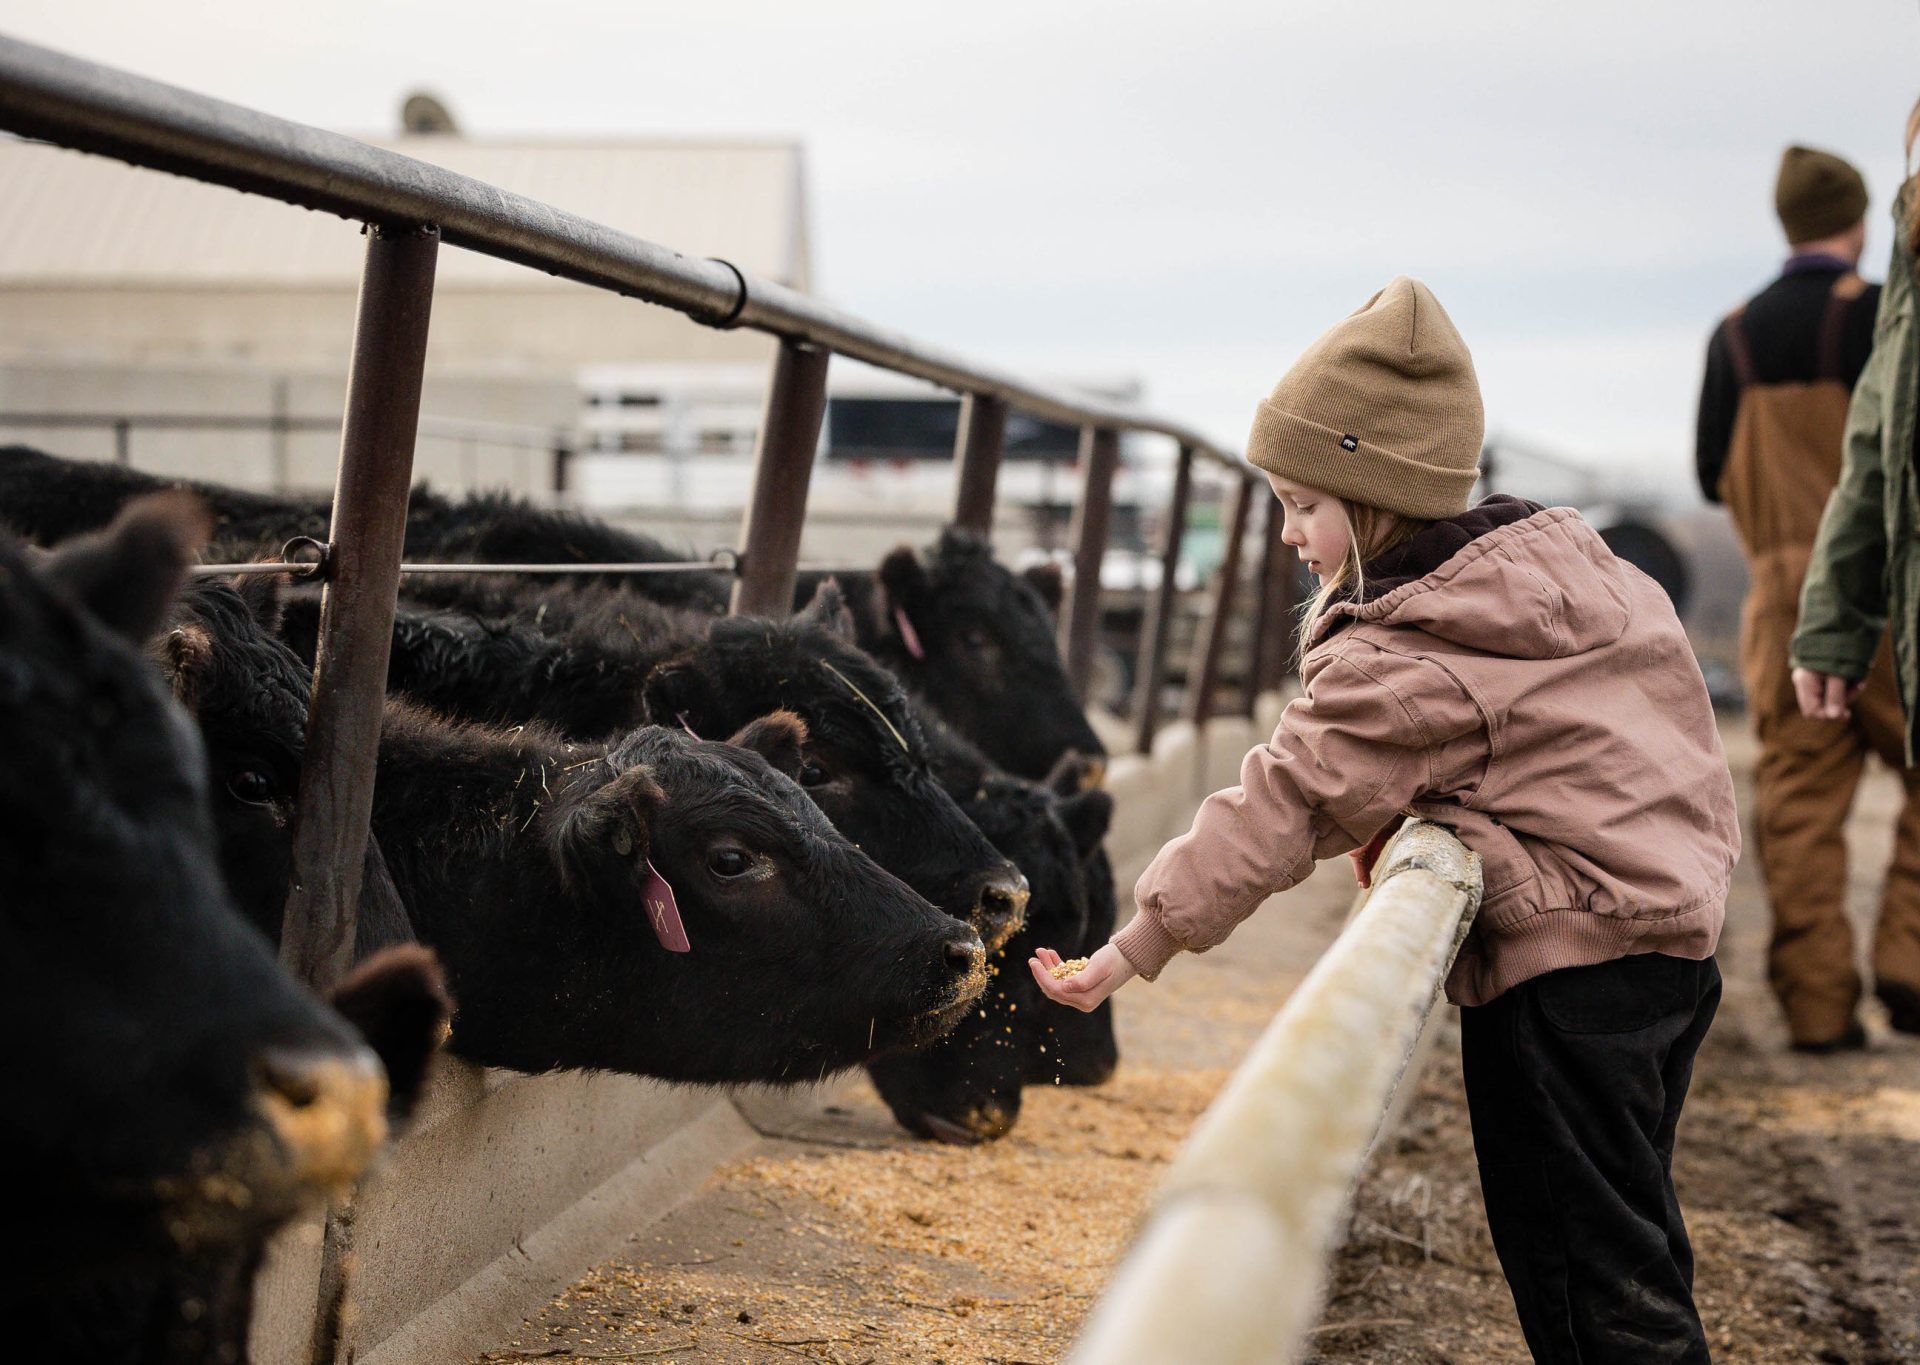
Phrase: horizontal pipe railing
pixel 89 107
pixel 1230 1266
pixel 510 434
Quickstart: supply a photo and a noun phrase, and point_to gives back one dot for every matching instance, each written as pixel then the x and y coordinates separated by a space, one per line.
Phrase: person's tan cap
pixel 1384 409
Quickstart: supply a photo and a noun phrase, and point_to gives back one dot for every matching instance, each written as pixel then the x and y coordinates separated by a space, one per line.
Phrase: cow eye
pixel 250 785
pixel 728 862
pixel 812 775
pixel 976 637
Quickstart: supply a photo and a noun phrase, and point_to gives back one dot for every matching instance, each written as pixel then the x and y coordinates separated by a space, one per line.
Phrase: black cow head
pixel 978 640
pixel 712 927
pixel 248 692
pixel 864 761
pixel 180 1091
pixel 198 1307
pixel 966 1087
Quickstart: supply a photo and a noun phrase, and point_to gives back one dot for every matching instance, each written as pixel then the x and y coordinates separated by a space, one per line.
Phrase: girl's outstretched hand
pixel 1106 972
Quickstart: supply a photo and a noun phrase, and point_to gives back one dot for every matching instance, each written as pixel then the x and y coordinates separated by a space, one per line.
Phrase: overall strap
pixel 1735 330
pixel 1847 288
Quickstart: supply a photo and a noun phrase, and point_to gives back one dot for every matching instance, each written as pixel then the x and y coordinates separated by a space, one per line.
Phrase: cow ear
pixel 903 578
pixel 828 610
pixel 397 999
pixel 185 656
pixel 129 574
pixel 677 693
pixel 779 738
pixel 1087 816
pixel 612 824
pixel 1045 579
pixel 266 597
pixel 1074 772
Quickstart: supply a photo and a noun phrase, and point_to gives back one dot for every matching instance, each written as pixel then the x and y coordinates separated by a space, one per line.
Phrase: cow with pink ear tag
pixel 591 902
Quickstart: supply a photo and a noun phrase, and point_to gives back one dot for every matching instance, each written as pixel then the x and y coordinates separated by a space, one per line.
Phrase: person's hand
pixel 1106 972
pixel 1824 696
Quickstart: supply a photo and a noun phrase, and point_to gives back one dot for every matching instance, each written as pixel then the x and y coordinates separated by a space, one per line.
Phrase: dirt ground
pixel 856 1245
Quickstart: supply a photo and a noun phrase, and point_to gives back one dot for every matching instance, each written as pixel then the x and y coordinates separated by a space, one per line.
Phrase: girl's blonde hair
pixel 1371 532
pixel 1913 190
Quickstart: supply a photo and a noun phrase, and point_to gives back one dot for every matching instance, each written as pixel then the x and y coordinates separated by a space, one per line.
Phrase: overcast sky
pixel 1184 193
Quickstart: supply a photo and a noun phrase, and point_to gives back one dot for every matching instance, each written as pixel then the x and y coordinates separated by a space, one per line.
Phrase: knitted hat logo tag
pixel 1349 443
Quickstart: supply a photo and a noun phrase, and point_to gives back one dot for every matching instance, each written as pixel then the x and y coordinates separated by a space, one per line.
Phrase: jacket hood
pixel 1544 586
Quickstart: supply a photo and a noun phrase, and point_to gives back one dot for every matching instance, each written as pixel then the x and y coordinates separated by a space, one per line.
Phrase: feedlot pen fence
pixel 408 208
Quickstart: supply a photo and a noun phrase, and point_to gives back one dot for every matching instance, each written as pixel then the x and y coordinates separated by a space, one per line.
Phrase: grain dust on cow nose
pixel 1003 907
pixel 327 1111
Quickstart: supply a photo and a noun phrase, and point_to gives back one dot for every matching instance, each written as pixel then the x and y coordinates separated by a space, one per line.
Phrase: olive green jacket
pixel 1865 573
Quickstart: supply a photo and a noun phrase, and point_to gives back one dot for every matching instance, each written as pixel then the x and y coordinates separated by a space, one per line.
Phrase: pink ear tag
pixel 664 912
pixel 908 635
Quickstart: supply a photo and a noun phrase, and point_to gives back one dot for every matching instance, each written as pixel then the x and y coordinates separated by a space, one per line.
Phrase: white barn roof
pixel 77 221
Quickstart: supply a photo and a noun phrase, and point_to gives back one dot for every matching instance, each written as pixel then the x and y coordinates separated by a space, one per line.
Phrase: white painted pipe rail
pixel 1230 1265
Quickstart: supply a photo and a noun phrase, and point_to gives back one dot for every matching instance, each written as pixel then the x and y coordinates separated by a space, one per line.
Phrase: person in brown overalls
pixel 1773 411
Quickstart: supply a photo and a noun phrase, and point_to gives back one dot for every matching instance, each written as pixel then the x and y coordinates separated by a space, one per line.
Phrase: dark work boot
pixel 1903 1005
pixel 1854 1039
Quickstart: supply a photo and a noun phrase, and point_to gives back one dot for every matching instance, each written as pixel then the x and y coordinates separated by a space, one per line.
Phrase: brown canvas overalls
pixel 1782 462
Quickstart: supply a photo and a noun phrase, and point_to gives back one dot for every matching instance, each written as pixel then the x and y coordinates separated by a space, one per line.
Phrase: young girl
pixel 1496 670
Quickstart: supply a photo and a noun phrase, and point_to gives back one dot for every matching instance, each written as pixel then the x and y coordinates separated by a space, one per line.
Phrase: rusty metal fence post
pixel 1204 675
pixel 1150 666
pixel 1080 622
pixel 978 446
pixel 357 606
pixel 782 469
pixel 368 530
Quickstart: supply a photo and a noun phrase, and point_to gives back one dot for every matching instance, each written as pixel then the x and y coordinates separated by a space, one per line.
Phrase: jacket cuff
pixel 1825 656
pixel 1146 944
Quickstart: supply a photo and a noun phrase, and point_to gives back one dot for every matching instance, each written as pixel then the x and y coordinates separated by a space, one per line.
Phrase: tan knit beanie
pixel 1817 194
pixel 1384 409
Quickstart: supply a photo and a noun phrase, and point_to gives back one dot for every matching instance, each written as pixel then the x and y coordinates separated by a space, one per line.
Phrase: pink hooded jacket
pixel 1535 694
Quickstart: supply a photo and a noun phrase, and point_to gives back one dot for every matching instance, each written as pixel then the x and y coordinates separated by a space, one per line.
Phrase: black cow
pixel 582 658
pixel 1084 1050
pixel 46 498
pixel 179 1094
pixel 198 1306
pixel 977 640
pixel 537 869
pixel 249 692
pixel 966 1087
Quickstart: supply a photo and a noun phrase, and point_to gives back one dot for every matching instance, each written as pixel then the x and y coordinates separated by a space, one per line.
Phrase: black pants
pixel 1574 1082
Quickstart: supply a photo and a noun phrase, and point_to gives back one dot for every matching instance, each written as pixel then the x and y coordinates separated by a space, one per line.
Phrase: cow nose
pixel 964 955
pixel 327 1111
pixel 1003 906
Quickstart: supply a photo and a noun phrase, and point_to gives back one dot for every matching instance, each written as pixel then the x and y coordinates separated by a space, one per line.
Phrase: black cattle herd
pixel 619 829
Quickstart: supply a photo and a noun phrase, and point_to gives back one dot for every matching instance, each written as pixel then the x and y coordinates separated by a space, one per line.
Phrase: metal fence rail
pixel 1230 1267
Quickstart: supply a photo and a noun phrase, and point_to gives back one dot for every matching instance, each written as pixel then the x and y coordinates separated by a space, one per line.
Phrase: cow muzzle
pixel 326 1113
